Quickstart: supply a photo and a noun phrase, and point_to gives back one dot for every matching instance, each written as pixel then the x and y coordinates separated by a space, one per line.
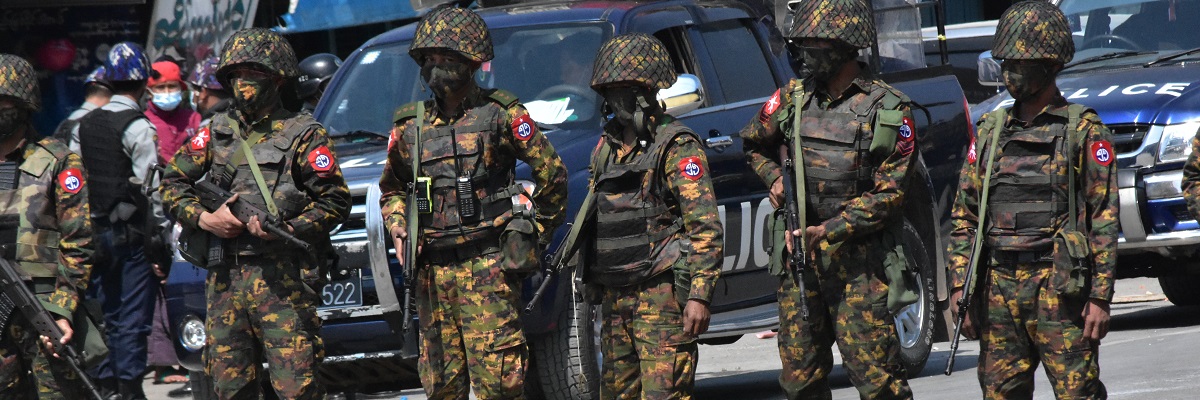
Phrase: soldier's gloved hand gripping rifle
pixel 972 276
pixel 15 296
pixel 794 205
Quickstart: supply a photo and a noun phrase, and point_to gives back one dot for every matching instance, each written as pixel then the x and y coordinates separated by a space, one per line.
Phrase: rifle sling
pixel 570 245
pixel 798 160
pixel 243 153
pixel 981 227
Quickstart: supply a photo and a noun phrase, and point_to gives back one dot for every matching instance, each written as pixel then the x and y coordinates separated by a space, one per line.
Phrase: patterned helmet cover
pixel 1033 30
pixel 633 57
pixel 98 76
pixel 456 29
pixel 205 74
pixel 850 21
pixel 262 48
pixel 17 79
pixel 127 62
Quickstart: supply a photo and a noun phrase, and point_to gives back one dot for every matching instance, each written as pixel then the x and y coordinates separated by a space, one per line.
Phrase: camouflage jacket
pixel 296 160
pixel 681 178
pixel 1097 180
pixel 858 216
pixel 513 136
pixel 54 235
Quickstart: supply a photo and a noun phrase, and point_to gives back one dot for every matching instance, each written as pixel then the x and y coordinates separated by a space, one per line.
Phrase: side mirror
pixel 683 97
pixel 989 70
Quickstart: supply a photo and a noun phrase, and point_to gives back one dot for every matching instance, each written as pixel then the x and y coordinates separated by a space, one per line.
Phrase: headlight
pixel 1176 143
pixel 521 198
pixel 192 334
pixel 1164 185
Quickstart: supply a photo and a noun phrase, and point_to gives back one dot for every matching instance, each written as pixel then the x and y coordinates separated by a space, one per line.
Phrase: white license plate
pixel 345 291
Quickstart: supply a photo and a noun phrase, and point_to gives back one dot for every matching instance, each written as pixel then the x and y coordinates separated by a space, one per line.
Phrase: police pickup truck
pixel 1137 63
pixel 729 62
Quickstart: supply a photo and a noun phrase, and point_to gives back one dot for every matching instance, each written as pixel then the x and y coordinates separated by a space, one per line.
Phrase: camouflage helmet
pixel 455 29
pixel 18 80
pixel 204 75
pixel 258 48
pixel 850 21
pixel 1033 30
pixel 99 76
pixel 127 62
pixel 633 58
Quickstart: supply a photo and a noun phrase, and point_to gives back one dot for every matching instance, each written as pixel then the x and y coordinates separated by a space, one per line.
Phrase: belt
pixel 460 252
pixel 1013 258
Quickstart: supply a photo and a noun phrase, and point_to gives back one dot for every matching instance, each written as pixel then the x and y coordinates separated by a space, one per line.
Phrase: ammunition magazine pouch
pixel 519 244
pixel 777 247
pixel 901 276
pixel 887 127
pixel 1072 263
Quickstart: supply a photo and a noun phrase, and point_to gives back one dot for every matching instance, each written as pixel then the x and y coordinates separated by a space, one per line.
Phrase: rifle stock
pixel 14 293
pixel 798 259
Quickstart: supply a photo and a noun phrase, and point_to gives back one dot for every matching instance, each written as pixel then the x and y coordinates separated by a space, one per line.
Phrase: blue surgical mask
pixel 168 101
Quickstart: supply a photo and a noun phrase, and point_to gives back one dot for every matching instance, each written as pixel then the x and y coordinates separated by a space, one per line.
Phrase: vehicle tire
pixel 915 323
pixel 567 360
pixel 1181 290
pixel 202 386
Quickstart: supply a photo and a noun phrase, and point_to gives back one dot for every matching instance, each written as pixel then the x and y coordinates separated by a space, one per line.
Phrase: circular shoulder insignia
pixel 321 159
pixel 908 135
pixel 691 168
pixel 1102 153
pixel 71 180
pixel 522 128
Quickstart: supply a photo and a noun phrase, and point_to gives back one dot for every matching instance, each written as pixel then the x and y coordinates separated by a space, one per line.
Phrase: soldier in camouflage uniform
pixel 468 287
pixel 264 298
pixel 1036 303
pixel 657 247
pixel 855 190
pixel 44 204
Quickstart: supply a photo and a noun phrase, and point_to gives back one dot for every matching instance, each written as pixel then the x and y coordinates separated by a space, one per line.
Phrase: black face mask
pixel 1025 81
pixel 824 63
pixel 446 78
pixel 12 120
pixel 630 107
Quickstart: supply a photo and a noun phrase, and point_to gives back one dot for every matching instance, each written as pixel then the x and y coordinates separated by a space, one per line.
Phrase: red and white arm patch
pixel 200 141
pixel 523 128
pixel 691 168
pixel 1102 153
pixel 71 180
pixel 769 108
pixel 972 154
pixel 321 160
pixel 907 139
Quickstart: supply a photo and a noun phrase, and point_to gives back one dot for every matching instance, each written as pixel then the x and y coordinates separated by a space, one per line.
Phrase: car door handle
pixel 719 143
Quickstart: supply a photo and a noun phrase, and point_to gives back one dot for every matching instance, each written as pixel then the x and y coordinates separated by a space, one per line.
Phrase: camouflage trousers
pixel 470 330
pixel 646 353
pixel 1025 321
pixel 28 373
pixel 847 303
pixel 260 310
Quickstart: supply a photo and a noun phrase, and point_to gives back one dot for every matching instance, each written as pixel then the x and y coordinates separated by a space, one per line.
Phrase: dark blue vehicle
pixel 729 62
pixel 1137 63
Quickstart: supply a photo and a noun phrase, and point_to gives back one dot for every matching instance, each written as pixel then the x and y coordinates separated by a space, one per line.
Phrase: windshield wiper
pixel 1170 57
pixel 361 136
pixel 1108 56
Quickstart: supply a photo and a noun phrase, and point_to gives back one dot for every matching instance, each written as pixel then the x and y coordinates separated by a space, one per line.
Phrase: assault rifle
pixel 212 197
pixel 556 262
pixel 14 295
pixel 418 196
pixel 798 259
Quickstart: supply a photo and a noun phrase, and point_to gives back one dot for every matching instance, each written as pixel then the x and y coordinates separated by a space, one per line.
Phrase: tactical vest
pixel 33 205
pixel 109 169
pixel 636 230
pixel 1028 199
pixel 837 159
pixel 454 158
pixel 276 157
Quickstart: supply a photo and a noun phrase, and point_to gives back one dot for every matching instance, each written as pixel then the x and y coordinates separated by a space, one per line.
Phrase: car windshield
pixel 1117 26
pixel 548 67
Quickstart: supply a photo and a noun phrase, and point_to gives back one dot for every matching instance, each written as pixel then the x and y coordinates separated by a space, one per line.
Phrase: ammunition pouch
pixel 777 247
pixel 901 276
pixel 519 246
pixel 1072 263
pixel 88 324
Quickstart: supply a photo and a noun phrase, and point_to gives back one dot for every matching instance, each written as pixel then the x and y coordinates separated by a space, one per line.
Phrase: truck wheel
pixel 202 386
pixel 1181 290
pixel 914 324
pixel 567 360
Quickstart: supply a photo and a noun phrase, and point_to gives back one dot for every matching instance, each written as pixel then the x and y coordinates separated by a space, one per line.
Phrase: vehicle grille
pixel 1128 137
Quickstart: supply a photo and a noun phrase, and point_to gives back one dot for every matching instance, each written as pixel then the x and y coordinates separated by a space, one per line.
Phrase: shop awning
pixel 317 15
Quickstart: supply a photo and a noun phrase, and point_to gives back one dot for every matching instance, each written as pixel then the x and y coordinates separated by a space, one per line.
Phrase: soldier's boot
pixel 132 390
pixel 107 388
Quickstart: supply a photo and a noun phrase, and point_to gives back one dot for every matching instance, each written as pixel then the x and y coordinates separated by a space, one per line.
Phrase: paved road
pixel 1150 353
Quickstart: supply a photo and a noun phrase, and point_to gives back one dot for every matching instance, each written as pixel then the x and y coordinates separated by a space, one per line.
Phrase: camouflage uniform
pixel 857 196
pixel 467 292
pixel 1029 313
pixel 265 300
pixel 47 213
pixel 659 194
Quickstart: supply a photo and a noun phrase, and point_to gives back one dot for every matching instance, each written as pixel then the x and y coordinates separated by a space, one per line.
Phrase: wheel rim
pixel 909 321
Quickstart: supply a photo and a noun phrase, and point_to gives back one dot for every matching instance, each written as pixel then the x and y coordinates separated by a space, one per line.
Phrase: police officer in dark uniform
pixel 657 247
pixel 262 298
pixel 476 244
pixel 44 204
